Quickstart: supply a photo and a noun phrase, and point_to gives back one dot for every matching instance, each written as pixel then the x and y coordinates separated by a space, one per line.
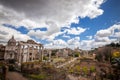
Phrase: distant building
pixel 63 52
pixel 23 51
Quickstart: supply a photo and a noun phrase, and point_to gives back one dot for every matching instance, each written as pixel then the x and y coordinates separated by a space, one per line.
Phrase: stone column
pixel 32 53
pixel 40 58
pixel 49 55
pixel 5 55
pixel 20 56
pixel 27 54
pixel 41 52
pixel 19 53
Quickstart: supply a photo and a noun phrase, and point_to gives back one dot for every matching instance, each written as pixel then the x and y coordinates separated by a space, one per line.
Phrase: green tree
pixel 76 54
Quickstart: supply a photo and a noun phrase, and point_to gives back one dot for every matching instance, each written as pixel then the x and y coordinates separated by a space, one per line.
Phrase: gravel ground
pixel 15 76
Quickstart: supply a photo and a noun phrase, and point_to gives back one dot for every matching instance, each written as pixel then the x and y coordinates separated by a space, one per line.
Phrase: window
pixel 30 53
pixel 30 58
pixel 11 55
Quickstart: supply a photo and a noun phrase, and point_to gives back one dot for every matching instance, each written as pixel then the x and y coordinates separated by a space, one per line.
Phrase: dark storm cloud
pixel 22 4
pixel 27 6
pixel 60 10
pixel 3 33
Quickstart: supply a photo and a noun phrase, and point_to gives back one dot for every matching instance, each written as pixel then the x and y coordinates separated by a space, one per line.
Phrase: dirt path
pixel 66 63
pixel 77 78
pixel 15 76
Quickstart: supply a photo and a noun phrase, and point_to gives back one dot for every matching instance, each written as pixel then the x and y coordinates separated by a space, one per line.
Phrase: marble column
pixel 27 54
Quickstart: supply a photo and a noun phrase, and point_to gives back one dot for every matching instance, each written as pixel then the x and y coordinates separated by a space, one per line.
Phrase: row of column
pixel 26 54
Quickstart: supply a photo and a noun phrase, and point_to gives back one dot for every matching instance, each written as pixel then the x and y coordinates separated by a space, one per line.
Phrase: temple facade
pixel 23 51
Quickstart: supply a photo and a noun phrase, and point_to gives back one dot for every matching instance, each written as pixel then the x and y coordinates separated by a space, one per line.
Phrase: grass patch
pixel 38 77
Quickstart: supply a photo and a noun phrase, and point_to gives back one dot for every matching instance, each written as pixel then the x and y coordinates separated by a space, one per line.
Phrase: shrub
pixel 92 69
pixel 77 68
pixel 85 70
pixel 71 71
pixel 38 77
pixel 45 58
pixel 116 54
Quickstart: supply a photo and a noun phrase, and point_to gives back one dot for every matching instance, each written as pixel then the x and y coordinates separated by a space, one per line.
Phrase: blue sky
pixel 110 17
pixel 59 24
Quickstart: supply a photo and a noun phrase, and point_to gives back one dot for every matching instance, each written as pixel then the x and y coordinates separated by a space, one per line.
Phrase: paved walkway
pixel 15 76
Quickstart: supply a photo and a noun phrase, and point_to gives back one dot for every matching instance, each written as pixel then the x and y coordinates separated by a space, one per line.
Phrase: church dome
pixel 12 41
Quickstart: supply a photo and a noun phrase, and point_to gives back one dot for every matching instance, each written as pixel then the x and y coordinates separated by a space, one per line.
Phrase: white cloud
pixel 89 37
pixel 117 34
pixel 103 33
pixel 99 44
pixel 44 34
pixel 102 39
pixel 10 16
pixel 74 42
pixel 59 43
pixel 52 14
pixel 6 33
pixel 89 44
pixel 86 44
pixel 37 33
pixel 112 31
pixel 66 36
pixel 48 34
pixel 75 31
